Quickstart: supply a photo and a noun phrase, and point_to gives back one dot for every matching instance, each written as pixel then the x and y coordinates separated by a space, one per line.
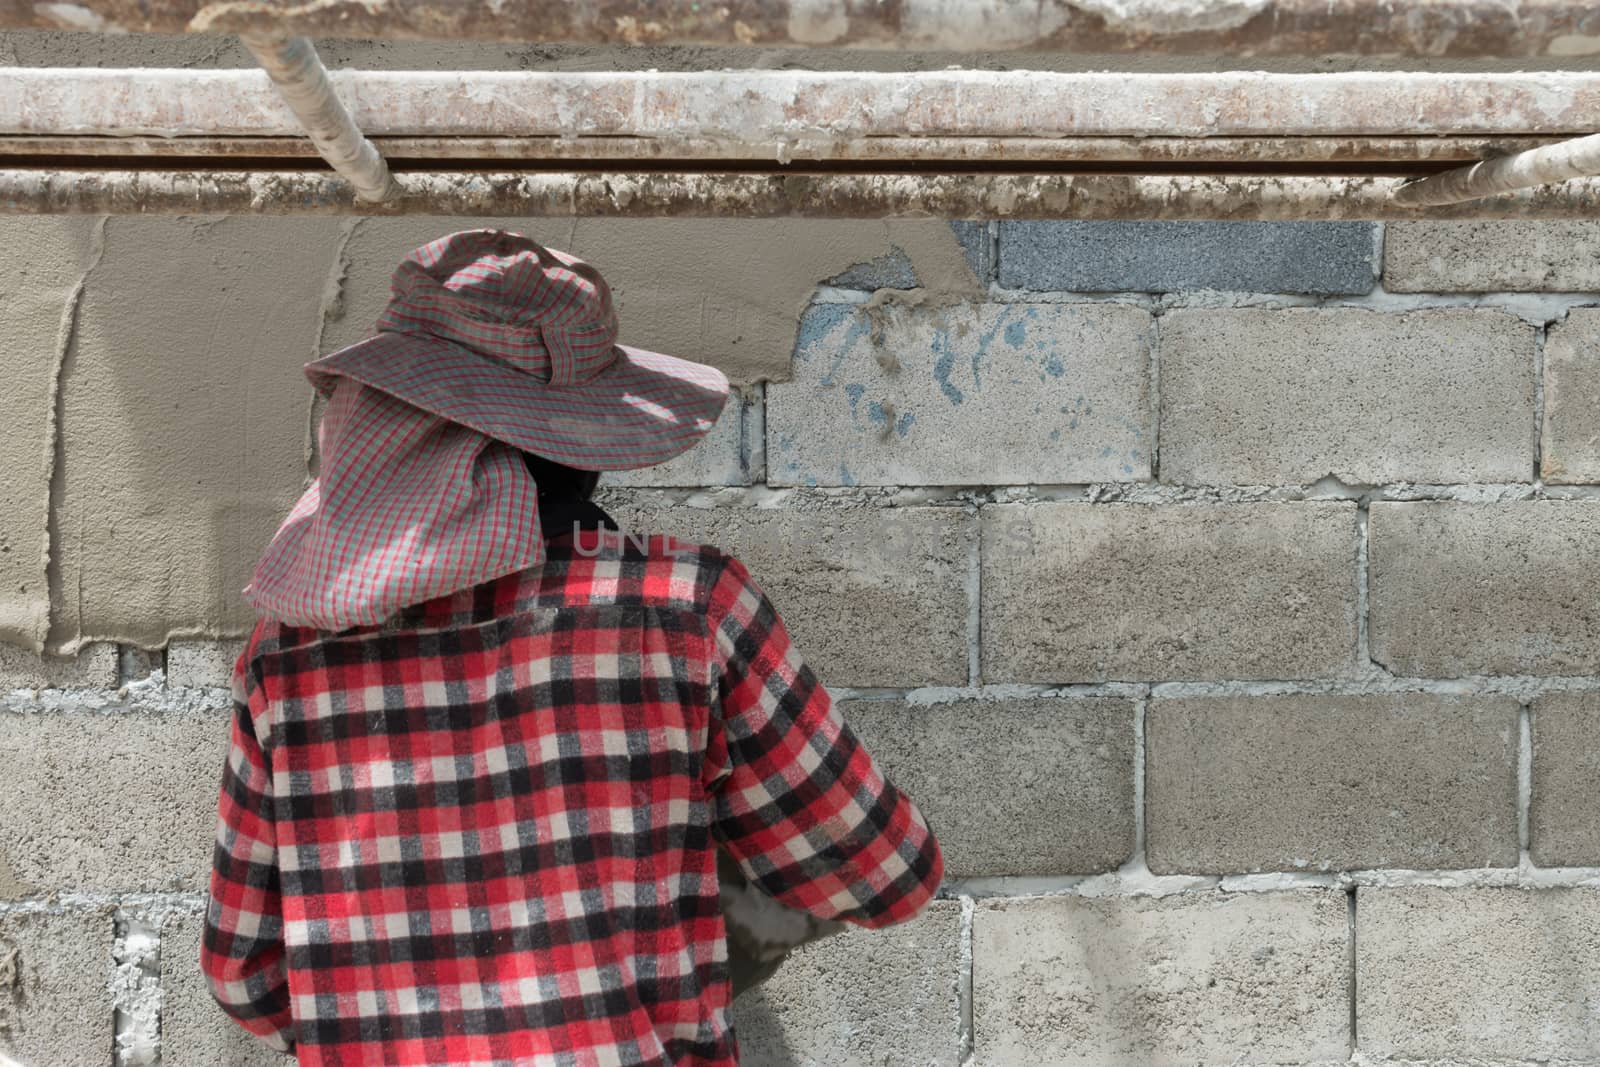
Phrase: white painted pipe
pixel 806 112
pixel 293 66
pixel 54 190
pixel 1578 158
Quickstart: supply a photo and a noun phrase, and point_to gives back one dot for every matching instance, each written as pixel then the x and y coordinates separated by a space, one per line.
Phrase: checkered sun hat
pixel 490 330
pixel 491 346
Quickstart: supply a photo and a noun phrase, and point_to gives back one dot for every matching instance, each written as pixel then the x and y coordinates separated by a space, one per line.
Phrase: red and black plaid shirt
pixel 484 833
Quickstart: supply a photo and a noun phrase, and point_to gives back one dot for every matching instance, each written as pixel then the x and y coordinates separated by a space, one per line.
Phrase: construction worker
pixel 486 747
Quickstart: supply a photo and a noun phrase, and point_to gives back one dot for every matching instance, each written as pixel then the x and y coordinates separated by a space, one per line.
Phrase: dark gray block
pixel 1256 257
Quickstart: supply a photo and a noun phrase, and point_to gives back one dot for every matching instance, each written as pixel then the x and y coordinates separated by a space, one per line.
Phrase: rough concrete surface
pixel 1494 256
pixel 1478 973
pixel 1498 588
pixel 108 801
pixel 870 596
pixel 980 394
pixel 1314 782
pixel 863 998
pixel 1172 982
pixel 719 458
pixel 194 1031
pixel 1035 786
pixel 1097 592
pixel 184 421
pixel 55 987
pixel 1563 830
pixel 1255 257
pixel 94 667
pixel 721 291
pixel 38 296
pixel 1274 397
pixel 202 663
pixel 1570 444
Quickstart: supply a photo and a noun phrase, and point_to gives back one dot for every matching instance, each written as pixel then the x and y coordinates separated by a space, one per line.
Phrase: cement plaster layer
pixel 1477 257
pixel 1563 830
pixel 870 596
pixel 1242 784
pixel 55 981
pixel 194 1031
pixel 184 421
pixel 1500 588
pixel 1015 787
pixel 39 293
pixel 1478 974
pixel 1570 448
pixel 1273 397
pixel 863 998
pixel 1092 592
pixel 108 801
pixel 719 291
pixel 971 395
pixel 1195 979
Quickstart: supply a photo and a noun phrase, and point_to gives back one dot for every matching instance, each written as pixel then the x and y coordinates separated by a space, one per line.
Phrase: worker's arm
pixel 242 951
pixel 799 803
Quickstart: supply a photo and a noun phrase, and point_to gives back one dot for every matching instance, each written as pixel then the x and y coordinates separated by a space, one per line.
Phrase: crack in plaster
pixel 136 991
pixel 55 455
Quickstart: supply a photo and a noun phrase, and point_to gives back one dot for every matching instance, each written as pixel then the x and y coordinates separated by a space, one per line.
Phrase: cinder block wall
pixel 1225 594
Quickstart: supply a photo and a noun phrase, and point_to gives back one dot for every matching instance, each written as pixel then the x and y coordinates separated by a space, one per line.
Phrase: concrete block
pixel 1271 397
pixel 202 663
pixel 1556 255
pixel 1501 588
pixel 717 460
pixel 737 308
pixel 871 596
pixel 1294 782
pixel 862 998
pixel 1478 974
pixel 1098 592
pixel 108 801
pixel 46 260
pixel 94 667
pixel 1208 978
pixel 971 395
pixel 891 271
pixel 184 420
pixel 1256 257
pixel 978 242
pixel 1564 816
pixel 1570 445
pixel 194 1031
pixel 55 986
pixel 1035 786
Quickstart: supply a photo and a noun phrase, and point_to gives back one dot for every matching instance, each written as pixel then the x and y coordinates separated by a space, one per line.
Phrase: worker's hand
pixel 761 931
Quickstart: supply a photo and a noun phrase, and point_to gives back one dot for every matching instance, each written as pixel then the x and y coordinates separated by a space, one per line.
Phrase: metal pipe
pixel 804 113
pixel 1537 166
pixel 1431 28
pixel 293 66
pixel 635 154
pixel 48 190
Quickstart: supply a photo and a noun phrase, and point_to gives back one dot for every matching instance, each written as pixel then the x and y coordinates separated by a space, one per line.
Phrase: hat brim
pixel 644 408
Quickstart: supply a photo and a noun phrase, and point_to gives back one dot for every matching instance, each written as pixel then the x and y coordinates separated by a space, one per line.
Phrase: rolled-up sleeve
pixel 799 802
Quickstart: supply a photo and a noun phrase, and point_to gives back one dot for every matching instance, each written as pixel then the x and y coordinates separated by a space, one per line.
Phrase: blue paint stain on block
pixel 1055 435
pixel 1016 333
pixel 845 477
pixel 819 332
pixel 853 393
pixel 876 414
pixel 1053 365
pixel 943 365
pixel 903 427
